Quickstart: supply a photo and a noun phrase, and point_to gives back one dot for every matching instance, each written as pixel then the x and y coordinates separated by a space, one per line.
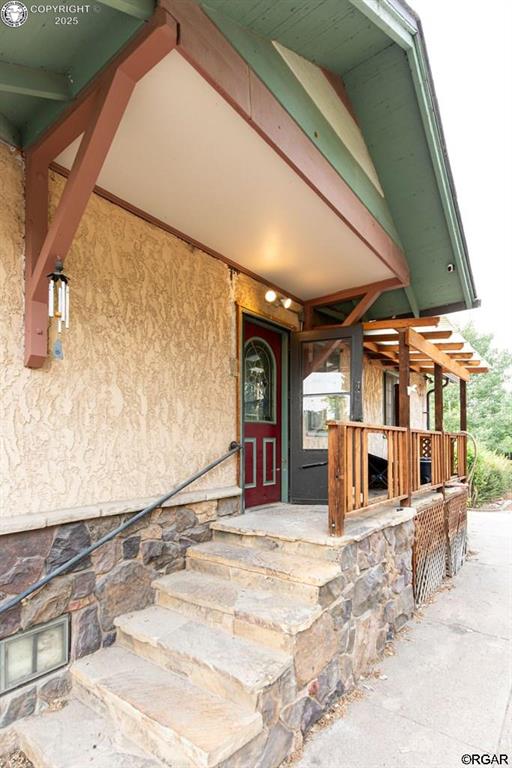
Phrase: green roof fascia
pixel 404 29
pixel 263 58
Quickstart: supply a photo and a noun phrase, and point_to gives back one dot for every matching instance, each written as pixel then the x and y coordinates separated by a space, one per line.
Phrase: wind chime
pixel 58 296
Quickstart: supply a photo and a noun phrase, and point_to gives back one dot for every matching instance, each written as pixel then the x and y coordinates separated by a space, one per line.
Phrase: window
pixel 259 382
pixel 390 399
pixel 32 654
pixel 325 389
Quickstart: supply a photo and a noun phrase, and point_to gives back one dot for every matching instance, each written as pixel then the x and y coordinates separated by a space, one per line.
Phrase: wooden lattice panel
pixel 429 552
pixel 456 519
pixel 426 447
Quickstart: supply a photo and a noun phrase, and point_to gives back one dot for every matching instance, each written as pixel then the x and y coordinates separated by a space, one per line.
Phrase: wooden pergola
pixel 419 345
pixel 426 345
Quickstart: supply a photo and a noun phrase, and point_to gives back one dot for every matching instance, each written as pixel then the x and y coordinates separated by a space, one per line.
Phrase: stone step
pixel 232 667
pixel 262 616
pixel 163 713
pixel 303 579
pixel 249 531
pixel 77 737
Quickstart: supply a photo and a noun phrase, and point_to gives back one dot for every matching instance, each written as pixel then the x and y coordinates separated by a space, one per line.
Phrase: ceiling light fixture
pixel 277 300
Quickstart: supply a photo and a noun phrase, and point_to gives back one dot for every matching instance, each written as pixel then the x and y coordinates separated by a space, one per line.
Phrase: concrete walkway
pixel 448 688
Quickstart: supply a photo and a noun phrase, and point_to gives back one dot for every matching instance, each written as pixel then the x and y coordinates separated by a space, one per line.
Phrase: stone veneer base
pixel 93 594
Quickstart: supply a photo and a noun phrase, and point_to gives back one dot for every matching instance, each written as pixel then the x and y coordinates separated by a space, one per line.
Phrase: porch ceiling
pixel 198 167
pixel 379 51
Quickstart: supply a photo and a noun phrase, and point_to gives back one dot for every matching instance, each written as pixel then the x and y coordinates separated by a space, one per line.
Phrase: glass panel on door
pixel 326 374
pixel 325 389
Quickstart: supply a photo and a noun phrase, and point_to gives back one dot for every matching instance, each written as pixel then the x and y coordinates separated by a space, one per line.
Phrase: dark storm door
pixel 262 413
pixel 326 384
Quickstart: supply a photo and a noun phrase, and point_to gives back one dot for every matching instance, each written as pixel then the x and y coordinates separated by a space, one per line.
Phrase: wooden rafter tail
pixel 105 109
pixel 436 355
pixel 400 323
pixel 393 337
pixel 391 356
pixel 444 346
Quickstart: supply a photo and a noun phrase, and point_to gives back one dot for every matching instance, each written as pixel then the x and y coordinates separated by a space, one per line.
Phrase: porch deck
pixel 308 523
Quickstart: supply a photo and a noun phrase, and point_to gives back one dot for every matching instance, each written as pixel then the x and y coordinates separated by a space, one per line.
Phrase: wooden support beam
pixel 362 306
pixel 309 320
pixel 449 345
pixel 404 404
pixel 387 337
pixel 33 81
pixel 391 356
pixel 354 293
pixel 463 406
pixel 105 108
pixel 436 355
pixel 401 322
pixel 465 358
pixel 36 228
pixel 111 104
pixel 438 397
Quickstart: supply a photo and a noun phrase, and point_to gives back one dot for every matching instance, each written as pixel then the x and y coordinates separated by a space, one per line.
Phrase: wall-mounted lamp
pixel 58 296
pixel 277 300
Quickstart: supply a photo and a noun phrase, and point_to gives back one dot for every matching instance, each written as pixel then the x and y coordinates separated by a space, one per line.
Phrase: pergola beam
pixel 31 81
pixel 382 337
pixel 436 355
pixel 401 322
pixel 447 346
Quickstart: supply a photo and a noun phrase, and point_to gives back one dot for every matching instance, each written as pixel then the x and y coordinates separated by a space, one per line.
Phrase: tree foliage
pixel 489 396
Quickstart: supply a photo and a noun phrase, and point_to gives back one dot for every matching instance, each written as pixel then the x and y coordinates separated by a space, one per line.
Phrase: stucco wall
pixel 373 403
pixel 146 392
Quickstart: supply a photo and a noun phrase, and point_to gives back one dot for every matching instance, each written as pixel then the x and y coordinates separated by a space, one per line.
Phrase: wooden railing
pixel 353 483
pixel 370 463
pixel 456 455
pixel 427 460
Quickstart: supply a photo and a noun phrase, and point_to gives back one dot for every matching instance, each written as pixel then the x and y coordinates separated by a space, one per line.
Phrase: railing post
pixel 404 408
pixel 439 414
pixel 337 478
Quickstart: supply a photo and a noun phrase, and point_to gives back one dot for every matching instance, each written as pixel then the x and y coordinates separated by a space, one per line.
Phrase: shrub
pixel 492 477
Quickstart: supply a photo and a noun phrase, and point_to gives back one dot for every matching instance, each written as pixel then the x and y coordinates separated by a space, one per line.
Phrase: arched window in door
pixel 259 382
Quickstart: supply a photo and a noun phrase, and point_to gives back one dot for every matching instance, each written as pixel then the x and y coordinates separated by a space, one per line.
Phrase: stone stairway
pixel 210 674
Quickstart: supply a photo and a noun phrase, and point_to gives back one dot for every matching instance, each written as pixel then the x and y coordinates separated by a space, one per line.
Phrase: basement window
pixel 34 653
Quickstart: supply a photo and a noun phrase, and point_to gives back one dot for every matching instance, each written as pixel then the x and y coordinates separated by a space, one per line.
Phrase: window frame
pixel 272 357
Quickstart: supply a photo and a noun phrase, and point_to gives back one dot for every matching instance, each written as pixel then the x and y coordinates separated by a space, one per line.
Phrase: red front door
pixel 262 414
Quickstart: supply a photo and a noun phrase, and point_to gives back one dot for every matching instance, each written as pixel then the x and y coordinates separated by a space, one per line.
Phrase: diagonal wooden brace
pixel 102 111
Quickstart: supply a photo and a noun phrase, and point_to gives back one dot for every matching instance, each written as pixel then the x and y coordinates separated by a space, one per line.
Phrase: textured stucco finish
pixel 373 403
pixel 146 392
pixel 373 396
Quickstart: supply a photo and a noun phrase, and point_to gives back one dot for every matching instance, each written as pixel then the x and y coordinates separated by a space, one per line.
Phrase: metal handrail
pixel 233 448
